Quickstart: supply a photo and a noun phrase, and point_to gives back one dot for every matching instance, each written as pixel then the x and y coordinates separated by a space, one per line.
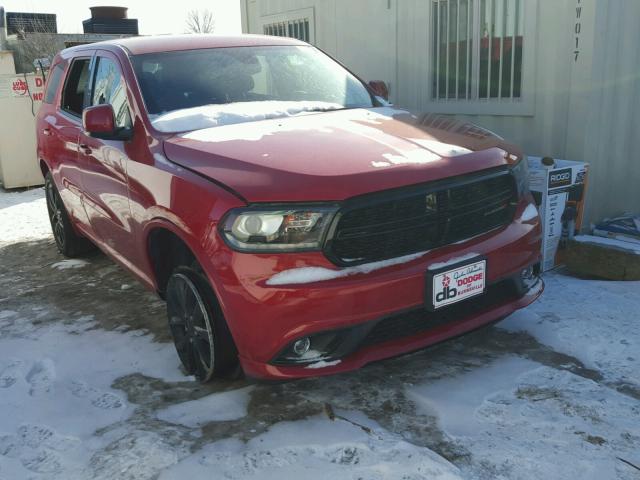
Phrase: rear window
pixel 55 77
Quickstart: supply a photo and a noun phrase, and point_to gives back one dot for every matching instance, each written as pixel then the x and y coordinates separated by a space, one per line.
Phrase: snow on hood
pixel 329 156
pixel 196 118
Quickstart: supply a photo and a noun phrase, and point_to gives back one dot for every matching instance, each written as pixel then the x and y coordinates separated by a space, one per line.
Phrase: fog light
pixel 300 347
pixel 323 346
pixel 529 276
pixel 528 273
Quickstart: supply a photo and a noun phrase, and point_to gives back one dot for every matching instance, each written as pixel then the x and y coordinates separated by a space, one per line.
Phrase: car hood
pixel 336 155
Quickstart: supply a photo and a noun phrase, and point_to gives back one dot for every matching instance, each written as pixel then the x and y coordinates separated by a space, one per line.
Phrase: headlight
pixel 520 172
pixel 269 228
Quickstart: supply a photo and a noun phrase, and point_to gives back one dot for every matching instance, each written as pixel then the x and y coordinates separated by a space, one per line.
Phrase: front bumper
pixel 400 346
pixel 265 319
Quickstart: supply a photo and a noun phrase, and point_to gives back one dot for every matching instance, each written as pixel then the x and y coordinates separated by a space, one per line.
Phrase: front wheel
pixel 69 243
pixel 200 333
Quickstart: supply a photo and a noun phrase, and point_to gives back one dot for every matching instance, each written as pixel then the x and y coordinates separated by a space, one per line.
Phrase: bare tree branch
pixel 200 21
pixel 32 45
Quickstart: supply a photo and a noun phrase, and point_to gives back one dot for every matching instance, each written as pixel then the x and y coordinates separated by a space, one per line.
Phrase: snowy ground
pixel 90 388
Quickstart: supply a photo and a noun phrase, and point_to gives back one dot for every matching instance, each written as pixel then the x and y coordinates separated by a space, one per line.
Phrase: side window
pixel 108 87
pixel 76 86
pixel 55 77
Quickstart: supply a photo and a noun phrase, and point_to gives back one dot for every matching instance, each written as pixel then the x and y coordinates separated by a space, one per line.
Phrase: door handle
pixel 47 131
pixel 84 148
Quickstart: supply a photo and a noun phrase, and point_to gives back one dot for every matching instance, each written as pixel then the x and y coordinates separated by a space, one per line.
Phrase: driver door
pixel 104 163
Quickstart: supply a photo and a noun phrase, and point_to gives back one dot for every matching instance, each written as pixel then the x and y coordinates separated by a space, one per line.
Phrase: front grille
pixel 400 222
pixel 420 320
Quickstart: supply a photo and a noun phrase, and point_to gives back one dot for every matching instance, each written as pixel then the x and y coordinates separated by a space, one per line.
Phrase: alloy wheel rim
pixel 190 326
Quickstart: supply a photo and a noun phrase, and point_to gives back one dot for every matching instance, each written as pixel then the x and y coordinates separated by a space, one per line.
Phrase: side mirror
pixel 99 122
pixel 380 88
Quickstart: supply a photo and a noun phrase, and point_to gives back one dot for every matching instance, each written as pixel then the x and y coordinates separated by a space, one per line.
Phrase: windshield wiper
pixel 327 109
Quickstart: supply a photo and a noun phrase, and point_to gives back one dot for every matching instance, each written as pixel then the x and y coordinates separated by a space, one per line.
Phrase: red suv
pixel 294 221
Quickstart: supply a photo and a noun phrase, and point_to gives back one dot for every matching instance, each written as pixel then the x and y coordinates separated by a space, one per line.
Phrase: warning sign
pixel 15 86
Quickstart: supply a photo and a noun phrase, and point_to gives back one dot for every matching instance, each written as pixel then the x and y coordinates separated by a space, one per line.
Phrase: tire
pixel 200 333
pixel 69 243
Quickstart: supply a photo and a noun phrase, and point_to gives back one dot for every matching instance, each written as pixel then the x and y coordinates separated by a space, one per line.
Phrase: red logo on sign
pixel 445 281
pixel 20 87
pixel 469 279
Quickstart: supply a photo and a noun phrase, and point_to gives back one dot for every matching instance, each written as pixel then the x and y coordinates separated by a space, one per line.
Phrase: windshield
pixel 288 79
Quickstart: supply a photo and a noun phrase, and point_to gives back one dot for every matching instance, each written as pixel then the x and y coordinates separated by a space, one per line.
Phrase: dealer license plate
pixel 457 284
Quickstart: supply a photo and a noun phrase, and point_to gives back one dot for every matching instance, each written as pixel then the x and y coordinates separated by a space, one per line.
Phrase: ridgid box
pixel 559 188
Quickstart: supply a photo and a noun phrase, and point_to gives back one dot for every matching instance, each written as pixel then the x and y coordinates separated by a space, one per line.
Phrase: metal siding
pixel 612 125
pixel 411 76
pixel 368 47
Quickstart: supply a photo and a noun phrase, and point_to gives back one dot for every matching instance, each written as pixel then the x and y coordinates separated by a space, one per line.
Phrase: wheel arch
pixel 167 247
pixel 44 167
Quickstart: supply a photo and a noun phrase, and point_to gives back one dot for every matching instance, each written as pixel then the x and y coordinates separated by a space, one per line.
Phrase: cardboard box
pixel 559 191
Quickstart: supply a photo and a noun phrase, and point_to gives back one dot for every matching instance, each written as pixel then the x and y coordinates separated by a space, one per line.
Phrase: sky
pixel 154 17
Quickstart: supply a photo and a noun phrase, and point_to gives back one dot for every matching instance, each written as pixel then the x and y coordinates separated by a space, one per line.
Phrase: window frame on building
pixel 473 102
pixel 289 19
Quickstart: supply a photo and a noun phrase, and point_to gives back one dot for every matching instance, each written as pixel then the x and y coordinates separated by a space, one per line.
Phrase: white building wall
pixel 363 49
pixel 585 109
pixel 6 62
pixel 18 160
pixel 611 132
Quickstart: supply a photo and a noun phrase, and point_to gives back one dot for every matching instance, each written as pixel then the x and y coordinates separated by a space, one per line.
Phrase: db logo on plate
pixel 458 283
